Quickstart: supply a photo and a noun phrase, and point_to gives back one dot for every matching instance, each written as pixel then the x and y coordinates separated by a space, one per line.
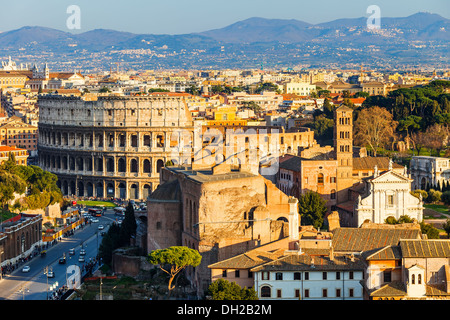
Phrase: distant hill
pixel 276 41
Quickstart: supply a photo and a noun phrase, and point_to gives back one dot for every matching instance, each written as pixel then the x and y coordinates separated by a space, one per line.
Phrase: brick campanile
pixel 343 147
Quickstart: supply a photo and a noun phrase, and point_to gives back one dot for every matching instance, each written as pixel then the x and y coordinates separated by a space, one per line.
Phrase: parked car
pixel 26 269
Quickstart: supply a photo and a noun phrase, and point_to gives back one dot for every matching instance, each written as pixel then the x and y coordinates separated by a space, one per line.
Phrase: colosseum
pixel 109 146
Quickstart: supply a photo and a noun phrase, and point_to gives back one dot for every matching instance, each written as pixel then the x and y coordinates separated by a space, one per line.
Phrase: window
pixel 338 276
pixel 419 279
pixel 324 276
pixel 265 292
pixel 390 200
pixel 306 293
pixel 338 293
pixel 320 179
pixel 278 293
pixel 324 293
pixel 297 293
pixel 278 276
pixel 237 273
pixel 350 275
pixel 306 275
pixel 224 273
pixel 387 276
pixel 297 276
pixel 351 292
pixel 265 275
pixel 333 194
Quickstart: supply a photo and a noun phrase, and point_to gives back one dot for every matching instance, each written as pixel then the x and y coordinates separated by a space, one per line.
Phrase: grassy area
pixel 97 203
pixel 5 215
pixel 438 207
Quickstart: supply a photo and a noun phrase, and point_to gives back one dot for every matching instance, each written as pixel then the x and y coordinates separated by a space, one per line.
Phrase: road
pixel 35 285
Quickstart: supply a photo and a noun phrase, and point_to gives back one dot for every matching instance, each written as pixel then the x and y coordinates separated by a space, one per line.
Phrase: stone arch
pixel 89 189
pixel 146 191
pixel 121 165
pixel 134 166
pixel 147 166
pixel 159 165
pixel 99 190
pixel 134 191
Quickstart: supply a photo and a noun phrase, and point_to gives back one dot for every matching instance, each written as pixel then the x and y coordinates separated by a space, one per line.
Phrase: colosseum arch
pixel 146 166
pixel 121 165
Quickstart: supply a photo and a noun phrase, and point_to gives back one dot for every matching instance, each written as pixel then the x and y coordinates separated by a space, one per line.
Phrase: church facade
pixel 387 194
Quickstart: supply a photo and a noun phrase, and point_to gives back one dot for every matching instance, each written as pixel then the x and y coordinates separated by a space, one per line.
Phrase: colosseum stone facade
pixel 111 146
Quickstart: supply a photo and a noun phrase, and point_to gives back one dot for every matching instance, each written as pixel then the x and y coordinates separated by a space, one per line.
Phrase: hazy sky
pixel 186 16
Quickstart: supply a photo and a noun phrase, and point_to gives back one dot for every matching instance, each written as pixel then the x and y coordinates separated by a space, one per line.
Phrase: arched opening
pixel 122 191
pixel 146 191
pixel 159 165
pixel 266 292
pixel 121 166
pixel 134 165
pixel 99 190
pixel 110 165
pixel 147 166
pixel 89 189
pixel 134 191
pixel 110 190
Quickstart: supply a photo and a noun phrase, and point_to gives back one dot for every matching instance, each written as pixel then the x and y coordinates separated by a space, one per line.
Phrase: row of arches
pixel 104 189
pixel 105 164
pixel 111 140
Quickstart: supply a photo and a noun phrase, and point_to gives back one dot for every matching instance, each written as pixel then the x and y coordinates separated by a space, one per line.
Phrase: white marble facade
pixel 387 194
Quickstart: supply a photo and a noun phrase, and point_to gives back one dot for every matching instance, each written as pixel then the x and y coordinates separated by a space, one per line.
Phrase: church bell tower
pixel 343 147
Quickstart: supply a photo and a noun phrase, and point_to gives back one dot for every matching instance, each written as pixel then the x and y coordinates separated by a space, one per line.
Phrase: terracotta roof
pixel 246 260
pixel 386 253
pixel 305 262
pixel 432 248
pixel 391 289
pixel 366 239
pixel 368 163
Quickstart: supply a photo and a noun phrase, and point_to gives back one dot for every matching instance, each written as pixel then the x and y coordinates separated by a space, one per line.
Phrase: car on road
pixel 81 259
pixel 94 220
pixel 26 269
pixel 82 252
pixel 50 274
pixel 72 252
pixel 101 227
pixel 62 261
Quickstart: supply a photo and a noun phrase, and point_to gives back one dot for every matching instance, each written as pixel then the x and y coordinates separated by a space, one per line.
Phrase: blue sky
pixel 186 16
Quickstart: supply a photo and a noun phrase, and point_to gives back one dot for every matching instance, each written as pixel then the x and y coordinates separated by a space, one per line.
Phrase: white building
pixel 301 276
pixel 429 171
pixel 299 88
pixel 387 194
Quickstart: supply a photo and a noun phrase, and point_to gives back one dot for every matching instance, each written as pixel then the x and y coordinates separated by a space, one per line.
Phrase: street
pixel 34 285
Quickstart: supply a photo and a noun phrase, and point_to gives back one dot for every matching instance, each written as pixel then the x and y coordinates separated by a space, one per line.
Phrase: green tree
pixel 312 209
pixel 128 227
pixel 110 242
pixel 174 259
pixel 445 197
pixel 429 230
pixel 222 289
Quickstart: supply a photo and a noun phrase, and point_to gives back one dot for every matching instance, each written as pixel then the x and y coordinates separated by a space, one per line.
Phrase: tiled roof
pixel 432 248
pixel 368 163
pixel 246 260
pixel 387 253
pixel 392 289
pixel 366 239
pixel 305 262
